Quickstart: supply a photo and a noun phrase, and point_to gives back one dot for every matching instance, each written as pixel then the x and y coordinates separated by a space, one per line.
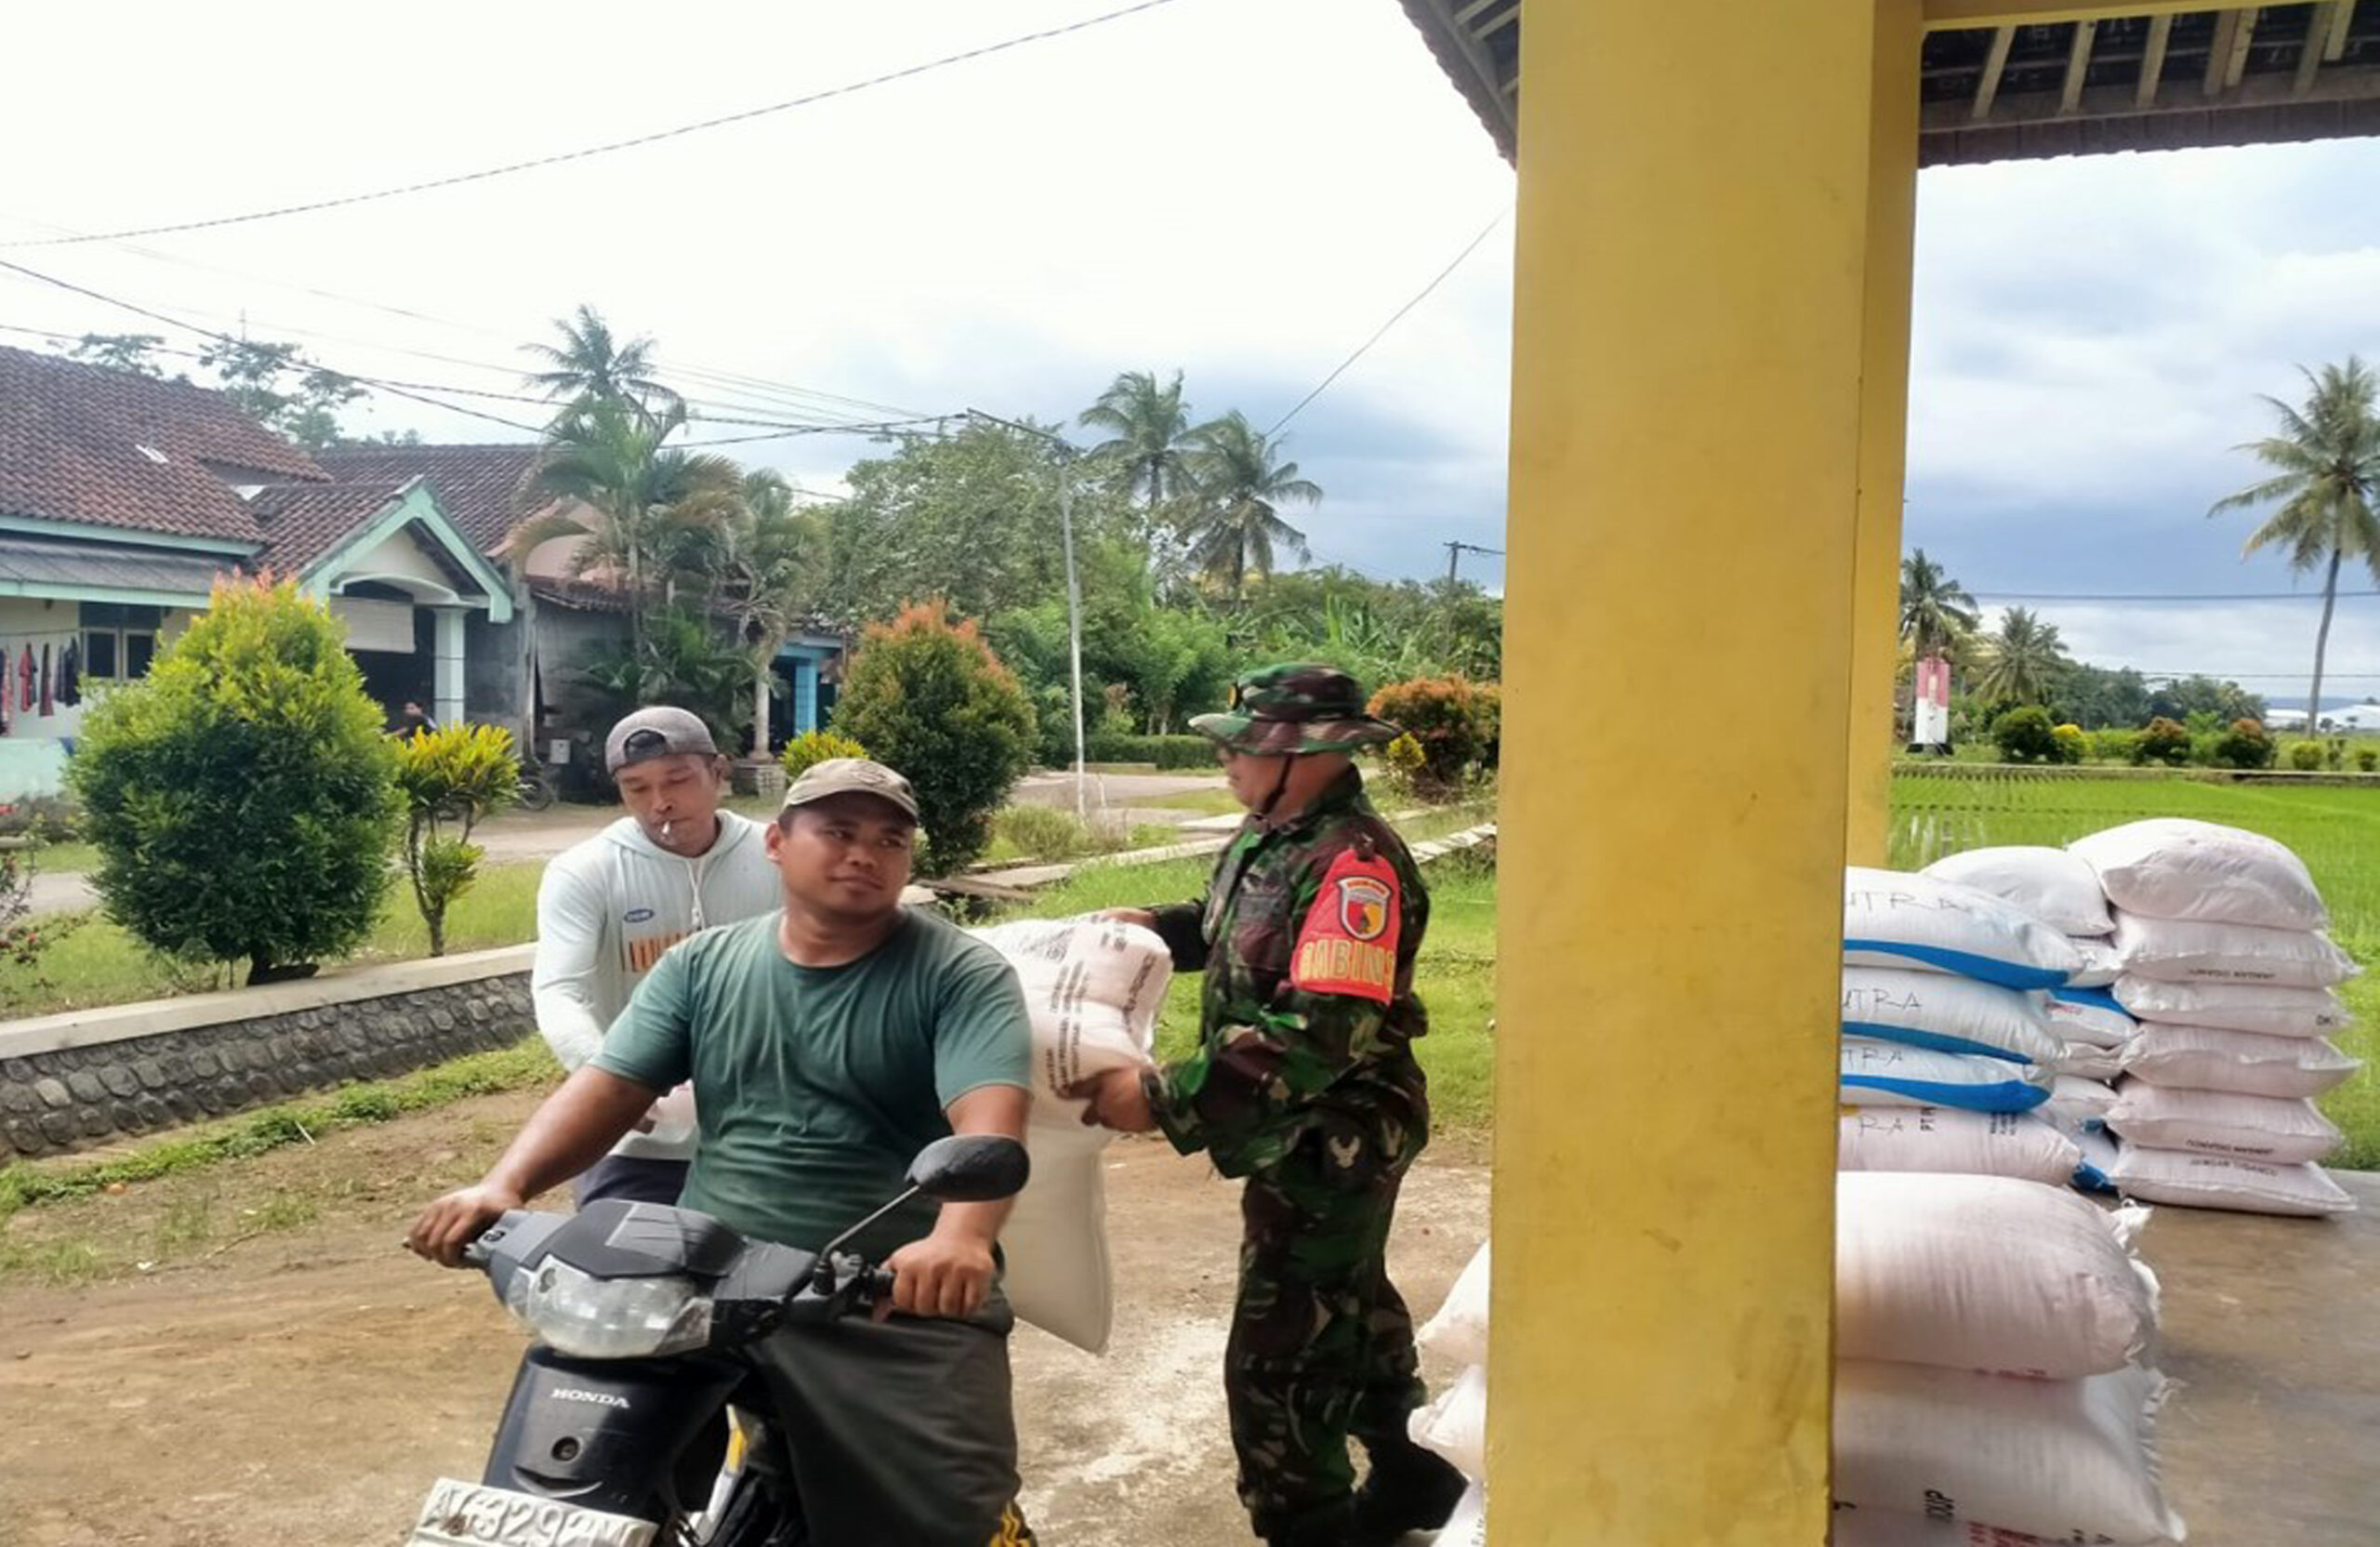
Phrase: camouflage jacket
pixel 1307 936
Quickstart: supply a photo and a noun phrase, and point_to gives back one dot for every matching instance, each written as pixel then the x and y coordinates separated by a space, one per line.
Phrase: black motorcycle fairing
pixel 609 1434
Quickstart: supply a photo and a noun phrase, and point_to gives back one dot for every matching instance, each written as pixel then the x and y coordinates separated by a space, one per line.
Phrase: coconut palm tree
pixel 2326 477
pixel 765 560
pixel 634 500
pixel 591 364
pixel 2023 658
pixel 1936 611
pixel 1149 451
pixel 1232 519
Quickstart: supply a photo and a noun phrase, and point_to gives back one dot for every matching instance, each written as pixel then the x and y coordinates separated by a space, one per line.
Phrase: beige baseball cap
pixel 658 732
pixel 850 776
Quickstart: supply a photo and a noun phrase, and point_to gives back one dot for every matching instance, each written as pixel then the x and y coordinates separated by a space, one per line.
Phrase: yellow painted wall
pixel 1691 316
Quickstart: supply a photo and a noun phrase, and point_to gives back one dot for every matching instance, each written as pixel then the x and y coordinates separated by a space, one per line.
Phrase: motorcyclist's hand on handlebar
pixel 453 1222
pixel 947 1273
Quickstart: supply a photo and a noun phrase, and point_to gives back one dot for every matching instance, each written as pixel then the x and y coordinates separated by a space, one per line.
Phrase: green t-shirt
pixel 817 1086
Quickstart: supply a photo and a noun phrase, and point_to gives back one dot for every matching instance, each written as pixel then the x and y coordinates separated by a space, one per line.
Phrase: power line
pixel 1394 317
pixel 2160 596
pixel 585 153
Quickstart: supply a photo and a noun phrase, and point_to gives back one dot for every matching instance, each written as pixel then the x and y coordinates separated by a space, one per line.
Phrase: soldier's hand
pixel 457 1220
pixel 1117 1100
pixel 1144 917
pixel 947 1273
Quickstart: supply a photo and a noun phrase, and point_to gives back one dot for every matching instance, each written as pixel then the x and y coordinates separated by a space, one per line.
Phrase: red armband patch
pixel 1348 943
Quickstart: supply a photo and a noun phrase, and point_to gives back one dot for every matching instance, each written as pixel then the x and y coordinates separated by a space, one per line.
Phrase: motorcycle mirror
pixel 971 1168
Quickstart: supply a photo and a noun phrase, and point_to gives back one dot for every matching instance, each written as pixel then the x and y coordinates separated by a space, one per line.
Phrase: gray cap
pixel 659 731
pixel 850 776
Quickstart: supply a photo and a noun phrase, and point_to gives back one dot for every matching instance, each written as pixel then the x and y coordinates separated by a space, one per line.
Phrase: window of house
pixel 119 641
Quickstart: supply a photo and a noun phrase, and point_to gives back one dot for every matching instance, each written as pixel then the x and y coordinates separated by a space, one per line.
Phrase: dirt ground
pixel 306 1383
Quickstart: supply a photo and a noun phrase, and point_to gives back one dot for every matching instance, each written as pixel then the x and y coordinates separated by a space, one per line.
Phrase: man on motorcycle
pixel 609 906
pixel 826 1043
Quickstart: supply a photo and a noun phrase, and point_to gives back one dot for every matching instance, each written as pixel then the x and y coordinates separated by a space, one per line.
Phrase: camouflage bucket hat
pixel 1295 708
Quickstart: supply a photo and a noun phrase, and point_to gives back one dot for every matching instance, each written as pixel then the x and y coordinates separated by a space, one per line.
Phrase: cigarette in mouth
pixel 665 829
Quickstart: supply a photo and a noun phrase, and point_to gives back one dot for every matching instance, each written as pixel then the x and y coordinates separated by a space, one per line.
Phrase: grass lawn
pixel 97 963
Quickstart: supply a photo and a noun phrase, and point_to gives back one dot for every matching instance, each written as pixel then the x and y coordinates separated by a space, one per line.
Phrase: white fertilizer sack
pixel 1949 1014
pixel 2226 1182
pixel 1460 1329
pixel 1455 1423
pixel 2236 1006
pixel 2091 1016
pixel 2072 1461
pixel 1985 1273
pixel 2176 950
pixel 2173 867
pixel 2053 885
pixel 1891 1074
pixel 2277 1132
pixel 1944 1139
pixel 1891 918
pixel 2207 1058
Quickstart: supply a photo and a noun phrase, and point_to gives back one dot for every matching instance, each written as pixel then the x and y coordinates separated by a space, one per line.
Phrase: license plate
pixel 473 1515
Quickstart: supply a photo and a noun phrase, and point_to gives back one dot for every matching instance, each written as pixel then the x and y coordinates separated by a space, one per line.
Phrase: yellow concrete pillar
pixel 1884 422
pixel 1689 326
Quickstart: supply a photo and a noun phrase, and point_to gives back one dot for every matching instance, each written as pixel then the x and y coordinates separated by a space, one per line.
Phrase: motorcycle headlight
pixel 578 1314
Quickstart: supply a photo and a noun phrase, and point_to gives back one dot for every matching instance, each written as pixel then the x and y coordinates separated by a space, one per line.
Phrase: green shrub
pixel 451 779
pixel 1487 719
pixel 2245 745
pixel 2114 745
pixel 1443 714
pixel 1165 752
pixel 2073 746
pixel 2306 756
pixel 2367 758
pixel 241 797
pixel 2165 741
pixel 2025 734
pixel 812 747
pixel 928 697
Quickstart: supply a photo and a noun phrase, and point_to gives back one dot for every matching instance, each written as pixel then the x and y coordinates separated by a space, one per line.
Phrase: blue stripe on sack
pixel 2096 998
pixel 2089 1178
pixel 1934 1039
pixel 1967 964
pixel 2004 1096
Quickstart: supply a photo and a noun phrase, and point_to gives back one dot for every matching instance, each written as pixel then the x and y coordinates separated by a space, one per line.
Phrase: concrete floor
pixel 2273 1328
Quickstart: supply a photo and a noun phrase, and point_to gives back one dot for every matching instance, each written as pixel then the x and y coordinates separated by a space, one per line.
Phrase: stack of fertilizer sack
pixel 2092 1028
pixel 1990 1384
pixel 1949 1050
pixel 2228 969
pixel 1093 989
pixel 1455 1425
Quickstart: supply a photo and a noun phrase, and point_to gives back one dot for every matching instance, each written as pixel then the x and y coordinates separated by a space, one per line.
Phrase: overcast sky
pixel 1243 188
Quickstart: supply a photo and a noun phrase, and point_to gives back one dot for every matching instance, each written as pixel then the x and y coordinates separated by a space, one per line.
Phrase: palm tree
pixel 591 364
pixel 2023 659
pixel 2326 463
pixel 764 560
pixel 636 500
pixel 1936 611
pixel 1237 488
pixel 1150 450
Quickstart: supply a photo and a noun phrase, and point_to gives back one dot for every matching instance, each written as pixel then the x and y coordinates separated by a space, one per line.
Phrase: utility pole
pixel 1456 550
pixel 1067 455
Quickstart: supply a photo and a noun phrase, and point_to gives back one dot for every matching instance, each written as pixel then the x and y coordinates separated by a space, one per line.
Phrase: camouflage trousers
pixel 1321 1344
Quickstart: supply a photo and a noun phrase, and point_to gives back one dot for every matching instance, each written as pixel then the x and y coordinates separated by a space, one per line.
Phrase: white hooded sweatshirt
pixel 606 910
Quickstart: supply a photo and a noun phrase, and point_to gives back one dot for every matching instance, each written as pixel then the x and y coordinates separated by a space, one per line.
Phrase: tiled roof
pixel 481 488
pixel 302 522
pixel 84 444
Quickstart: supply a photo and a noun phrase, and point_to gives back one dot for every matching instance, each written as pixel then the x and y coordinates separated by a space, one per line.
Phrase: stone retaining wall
pixel 69 1081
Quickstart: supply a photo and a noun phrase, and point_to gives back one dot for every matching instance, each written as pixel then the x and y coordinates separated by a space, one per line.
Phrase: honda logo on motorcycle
pixel 601 1399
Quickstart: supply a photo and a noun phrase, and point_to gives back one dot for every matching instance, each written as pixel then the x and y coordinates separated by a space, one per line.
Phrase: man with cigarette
pixel 610 906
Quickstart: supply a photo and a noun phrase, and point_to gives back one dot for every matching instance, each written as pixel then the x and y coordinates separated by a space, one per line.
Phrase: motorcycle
pixel 623 1428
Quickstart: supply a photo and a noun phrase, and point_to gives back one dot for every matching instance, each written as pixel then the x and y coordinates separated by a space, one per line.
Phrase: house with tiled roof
pixel 122 498
pixel 489 491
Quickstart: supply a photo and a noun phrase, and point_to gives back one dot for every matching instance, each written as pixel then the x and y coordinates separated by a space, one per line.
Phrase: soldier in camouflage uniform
pixel 1304 1083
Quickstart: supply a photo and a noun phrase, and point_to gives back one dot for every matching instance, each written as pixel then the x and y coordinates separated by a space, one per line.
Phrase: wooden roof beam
pixel 2152 63
pixel 1462 18
pixel 1964 15
pixel 2310 56
pixel 1994 67
pixel 2342 19
pixel 2235 69
pixel 2218 57
pixel 2078 67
